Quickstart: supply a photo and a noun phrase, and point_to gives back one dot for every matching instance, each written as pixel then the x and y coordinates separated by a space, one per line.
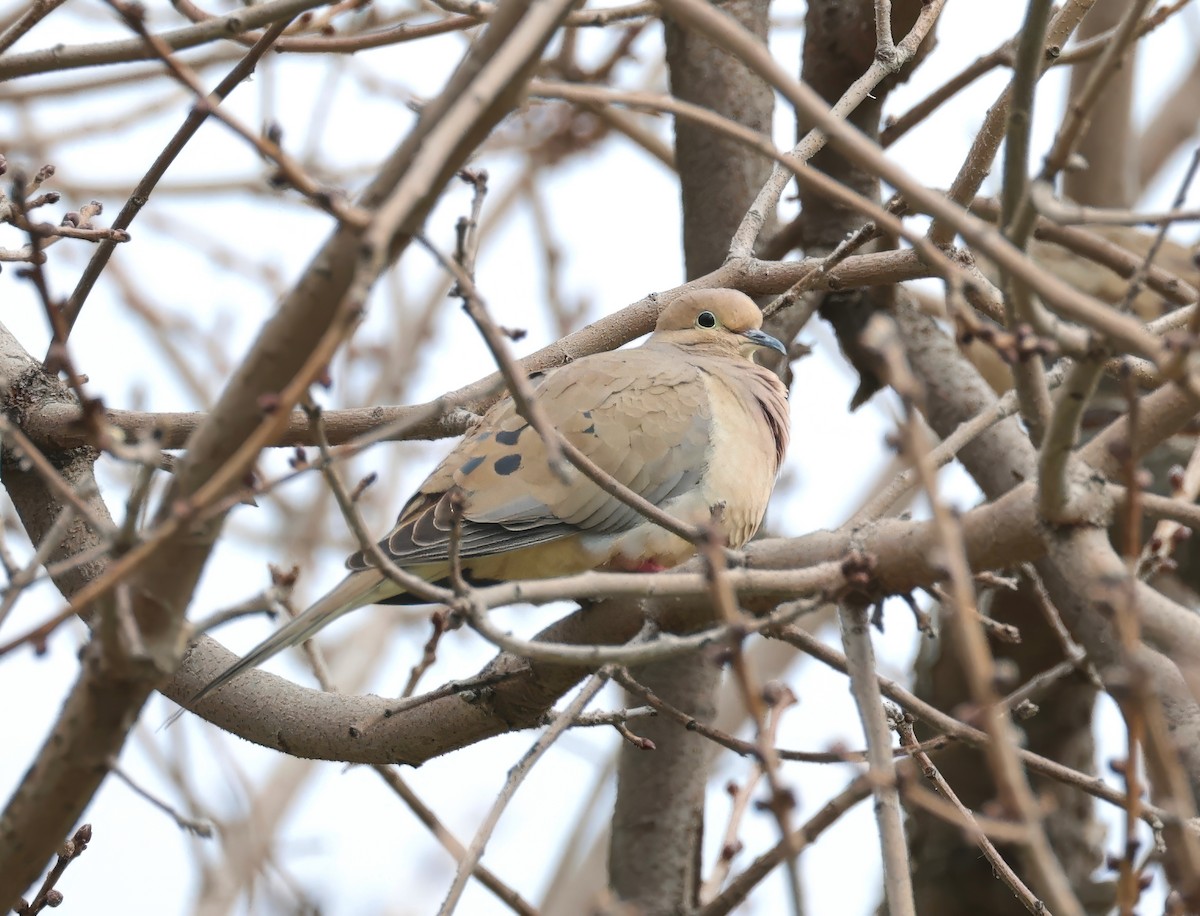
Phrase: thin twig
pixel 48 895
pixel 742 244
pixel 407 581
pixel 665 645
pixel 964 626
pixel 860 659
pixel 1092 785
pixel 450 843
pixel 516 381
pixel 1000 868
pixel 742 796
pixel 781 799
pixel 198 826
pixel 516 776
pixel 740 887
pixel 141 193
pixel 265 144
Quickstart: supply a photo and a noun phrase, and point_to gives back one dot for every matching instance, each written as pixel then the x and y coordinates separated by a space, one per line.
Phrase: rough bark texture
pixel 658 824
pixel 659 819
pixel 839 46
pixel 116 680
pixel 950 876
pixel 110 687
pixel 946 865
pixel 718 178
pixel 24 388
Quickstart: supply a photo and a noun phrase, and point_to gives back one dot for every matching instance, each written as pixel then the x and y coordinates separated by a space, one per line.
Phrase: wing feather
pixel 642 418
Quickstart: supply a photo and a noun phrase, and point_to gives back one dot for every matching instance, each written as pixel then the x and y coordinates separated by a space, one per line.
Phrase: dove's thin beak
pixel 763 339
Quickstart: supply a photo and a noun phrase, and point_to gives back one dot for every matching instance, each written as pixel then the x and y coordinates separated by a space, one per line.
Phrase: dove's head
pixel 715 320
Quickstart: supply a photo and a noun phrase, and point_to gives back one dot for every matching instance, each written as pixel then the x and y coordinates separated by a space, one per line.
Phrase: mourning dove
pixel 687 420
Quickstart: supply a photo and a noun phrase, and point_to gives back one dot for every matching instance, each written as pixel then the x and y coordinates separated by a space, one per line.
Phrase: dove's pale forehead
pixel 733 310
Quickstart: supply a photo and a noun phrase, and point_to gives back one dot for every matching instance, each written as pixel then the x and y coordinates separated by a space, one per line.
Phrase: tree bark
pixel 658 824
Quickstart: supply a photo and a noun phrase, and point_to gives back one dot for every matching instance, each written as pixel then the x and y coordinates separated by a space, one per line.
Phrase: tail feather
pixel 357 590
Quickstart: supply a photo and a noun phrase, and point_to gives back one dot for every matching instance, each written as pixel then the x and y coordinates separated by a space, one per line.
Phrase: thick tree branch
pixel 315 316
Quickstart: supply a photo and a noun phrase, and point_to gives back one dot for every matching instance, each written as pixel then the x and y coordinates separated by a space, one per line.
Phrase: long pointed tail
pixel 357 590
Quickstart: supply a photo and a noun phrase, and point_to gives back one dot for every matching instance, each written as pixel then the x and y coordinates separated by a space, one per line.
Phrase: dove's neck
pixel 676 346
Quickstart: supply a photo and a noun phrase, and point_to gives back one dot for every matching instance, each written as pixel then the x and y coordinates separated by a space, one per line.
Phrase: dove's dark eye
pixel 706 320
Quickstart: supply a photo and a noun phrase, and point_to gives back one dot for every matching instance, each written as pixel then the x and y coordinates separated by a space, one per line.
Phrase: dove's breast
pixel 748 441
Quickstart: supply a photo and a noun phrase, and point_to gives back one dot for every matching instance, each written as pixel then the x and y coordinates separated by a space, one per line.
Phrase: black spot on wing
pixel 507 465
pixel 471 465
pixel 591 429
pixel 510 436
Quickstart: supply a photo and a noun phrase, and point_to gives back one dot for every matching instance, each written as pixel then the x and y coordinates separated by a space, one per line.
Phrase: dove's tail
pixel 358 589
